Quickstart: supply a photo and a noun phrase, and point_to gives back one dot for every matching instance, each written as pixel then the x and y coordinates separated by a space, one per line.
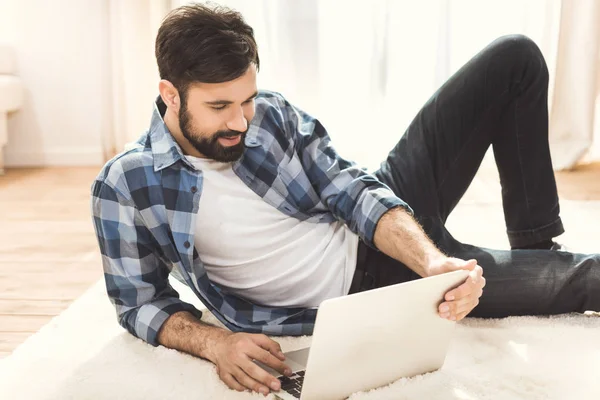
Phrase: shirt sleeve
pixel 136 277
pixel 349 192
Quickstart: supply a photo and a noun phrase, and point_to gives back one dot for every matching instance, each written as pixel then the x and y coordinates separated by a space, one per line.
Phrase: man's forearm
pixel 184 332
pixel 399 236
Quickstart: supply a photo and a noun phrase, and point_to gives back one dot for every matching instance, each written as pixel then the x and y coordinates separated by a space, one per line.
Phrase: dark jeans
pixel 498 98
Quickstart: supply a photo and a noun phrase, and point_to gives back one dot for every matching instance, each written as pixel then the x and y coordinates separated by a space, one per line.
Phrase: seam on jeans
pixel 476 128
pixel 525 192
pixel 527 203
pixel 471 136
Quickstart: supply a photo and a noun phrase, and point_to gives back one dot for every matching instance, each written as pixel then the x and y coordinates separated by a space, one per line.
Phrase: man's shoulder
pixel 270 96
pixel 133 164
pixel 268 100
pixel 272 113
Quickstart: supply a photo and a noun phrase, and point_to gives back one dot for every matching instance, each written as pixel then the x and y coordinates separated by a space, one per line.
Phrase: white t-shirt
pixel 258 253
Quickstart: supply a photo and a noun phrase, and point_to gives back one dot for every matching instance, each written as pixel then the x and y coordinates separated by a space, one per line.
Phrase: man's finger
pixel 463 314
pixel 470 264
pixel 468 287
pixel 230 381
pixel 242 377
pixel 453 308
pixel 260 375
pixel 270 345
pixel 476 273
pixel 466 307
pixel 265 357
pixel 460 292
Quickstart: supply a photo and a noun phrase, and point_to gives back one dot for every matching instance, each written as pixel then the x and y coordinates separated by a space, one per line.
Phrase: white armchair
pixel 11 95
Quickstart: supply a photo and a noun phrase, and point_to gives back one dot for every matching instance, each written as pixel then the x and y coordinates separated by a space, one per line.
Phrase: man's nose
pixel 238 123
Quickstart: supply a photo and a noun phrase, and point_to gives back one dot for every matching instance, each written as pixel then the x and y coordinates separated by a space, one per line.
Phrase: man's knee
pixel 513 44
pixel 521 51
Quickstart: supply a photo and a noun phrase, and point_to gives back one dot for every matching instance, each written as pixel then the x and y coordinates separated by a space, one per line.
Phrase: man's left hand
pixel 459 302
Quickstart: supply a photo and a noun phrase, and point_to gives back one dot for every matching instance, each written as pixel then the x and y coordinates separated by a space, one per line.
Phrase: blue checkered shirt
pixel 145 203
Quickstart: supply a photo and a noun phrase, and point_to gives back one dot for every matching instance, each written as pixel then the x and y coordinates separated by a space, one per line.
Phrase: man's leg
pixel 534 282
pixel 498 98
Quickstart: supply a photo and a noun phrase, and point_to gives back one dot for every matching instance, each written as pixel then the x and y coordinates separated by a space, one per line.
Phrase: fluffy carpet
pixel 84 354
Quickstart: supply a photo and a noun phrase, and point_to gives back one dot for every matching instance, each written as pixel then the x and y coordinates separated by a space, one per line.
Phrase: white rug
pixel 84 354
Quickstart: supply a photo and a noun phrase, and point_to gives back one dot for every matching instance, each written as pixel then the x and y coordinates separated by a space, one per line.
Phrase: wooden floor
pixel 583 183
pixel 49 254
pixel 48 251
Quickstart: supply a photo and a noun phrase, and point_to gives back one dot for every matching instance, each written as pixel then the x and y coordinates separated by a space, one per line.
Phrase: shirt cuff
pixel 151 317
pixel 377 206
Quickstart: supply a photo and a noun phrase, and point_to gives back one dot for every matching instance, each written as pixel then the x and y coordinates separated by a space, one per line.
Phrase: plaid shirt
pixel 145 203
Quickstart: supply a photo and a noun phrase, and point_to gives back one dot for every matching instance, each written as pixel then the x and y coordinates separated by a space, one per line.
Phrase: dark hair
pixel 204 43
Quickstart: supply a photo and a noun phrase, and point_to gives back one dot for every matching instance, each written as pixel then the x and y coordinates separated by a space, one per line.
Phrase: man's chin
pixel 218 152
pixel 229 154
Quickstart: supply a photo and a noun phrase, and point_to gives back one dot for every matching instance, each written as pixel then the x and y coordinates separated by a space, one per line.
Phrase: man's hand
pixel 398 235
pixel 461 301
pixel 233 354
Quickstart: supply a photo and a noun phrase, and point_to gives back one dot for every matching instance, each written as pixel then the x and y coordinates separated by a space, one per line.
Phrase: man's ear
pixel 169 94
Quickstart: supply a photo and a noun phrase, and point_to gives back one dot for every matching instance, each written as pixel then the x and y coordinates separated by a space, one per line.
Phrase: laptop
pixel 370 339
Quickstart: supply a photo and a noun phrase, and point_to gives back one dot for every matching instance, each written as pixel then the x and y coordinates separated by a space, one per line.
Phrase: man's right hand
pixel 233 354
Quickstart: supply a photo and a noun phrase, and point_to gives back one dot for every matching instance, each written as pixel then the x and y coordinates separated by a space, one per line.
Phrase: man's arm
pixel 184 332
pixel 350 193
pixel 136 278
pixel 232 353
pixel 399 236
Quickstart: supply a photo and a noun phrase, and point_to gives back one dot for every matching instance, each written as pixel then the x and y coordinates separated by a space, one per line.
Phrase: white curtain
pixel 574 105
pixel 133 25
pixel 365 68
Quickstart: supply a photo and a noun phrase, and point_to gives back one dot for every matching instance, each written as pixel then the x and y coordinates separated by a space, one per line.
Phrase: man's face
pixel 214 117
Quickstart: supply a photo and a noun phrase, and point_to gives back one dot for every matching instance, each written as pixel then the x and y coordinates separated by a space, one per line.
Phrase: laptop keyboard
pixel 292 384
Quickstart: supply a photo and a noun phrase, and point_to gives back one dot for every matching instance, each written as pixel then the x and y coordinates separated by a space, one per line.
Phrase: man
pixel 242 196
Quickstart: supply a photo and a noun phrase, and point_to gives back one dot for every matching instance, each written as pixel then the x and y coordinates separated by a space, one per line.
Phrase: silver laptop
pixel 370 339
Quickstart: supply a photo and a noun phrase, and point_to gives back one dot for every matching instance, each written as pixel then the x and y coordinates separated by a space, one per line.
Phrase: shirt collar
pixel 165 149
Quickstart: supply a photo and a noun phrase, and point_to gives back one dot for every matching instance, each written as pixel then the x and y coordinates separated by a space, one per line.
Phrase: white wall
pixel 62 49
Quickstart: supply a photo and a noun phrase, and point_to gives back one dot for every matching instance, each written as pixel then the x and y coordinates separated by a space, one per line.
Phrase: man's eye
pixel 218 108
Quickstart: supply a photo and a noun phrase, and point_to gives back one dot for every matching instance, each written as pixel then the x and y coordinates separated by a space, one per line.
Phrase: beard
pixel 210 146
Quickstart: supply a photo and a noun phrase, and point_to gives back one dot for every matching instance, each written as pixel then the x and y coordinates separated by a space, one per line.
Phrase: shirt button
pixel 194 189
pixel 186 244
